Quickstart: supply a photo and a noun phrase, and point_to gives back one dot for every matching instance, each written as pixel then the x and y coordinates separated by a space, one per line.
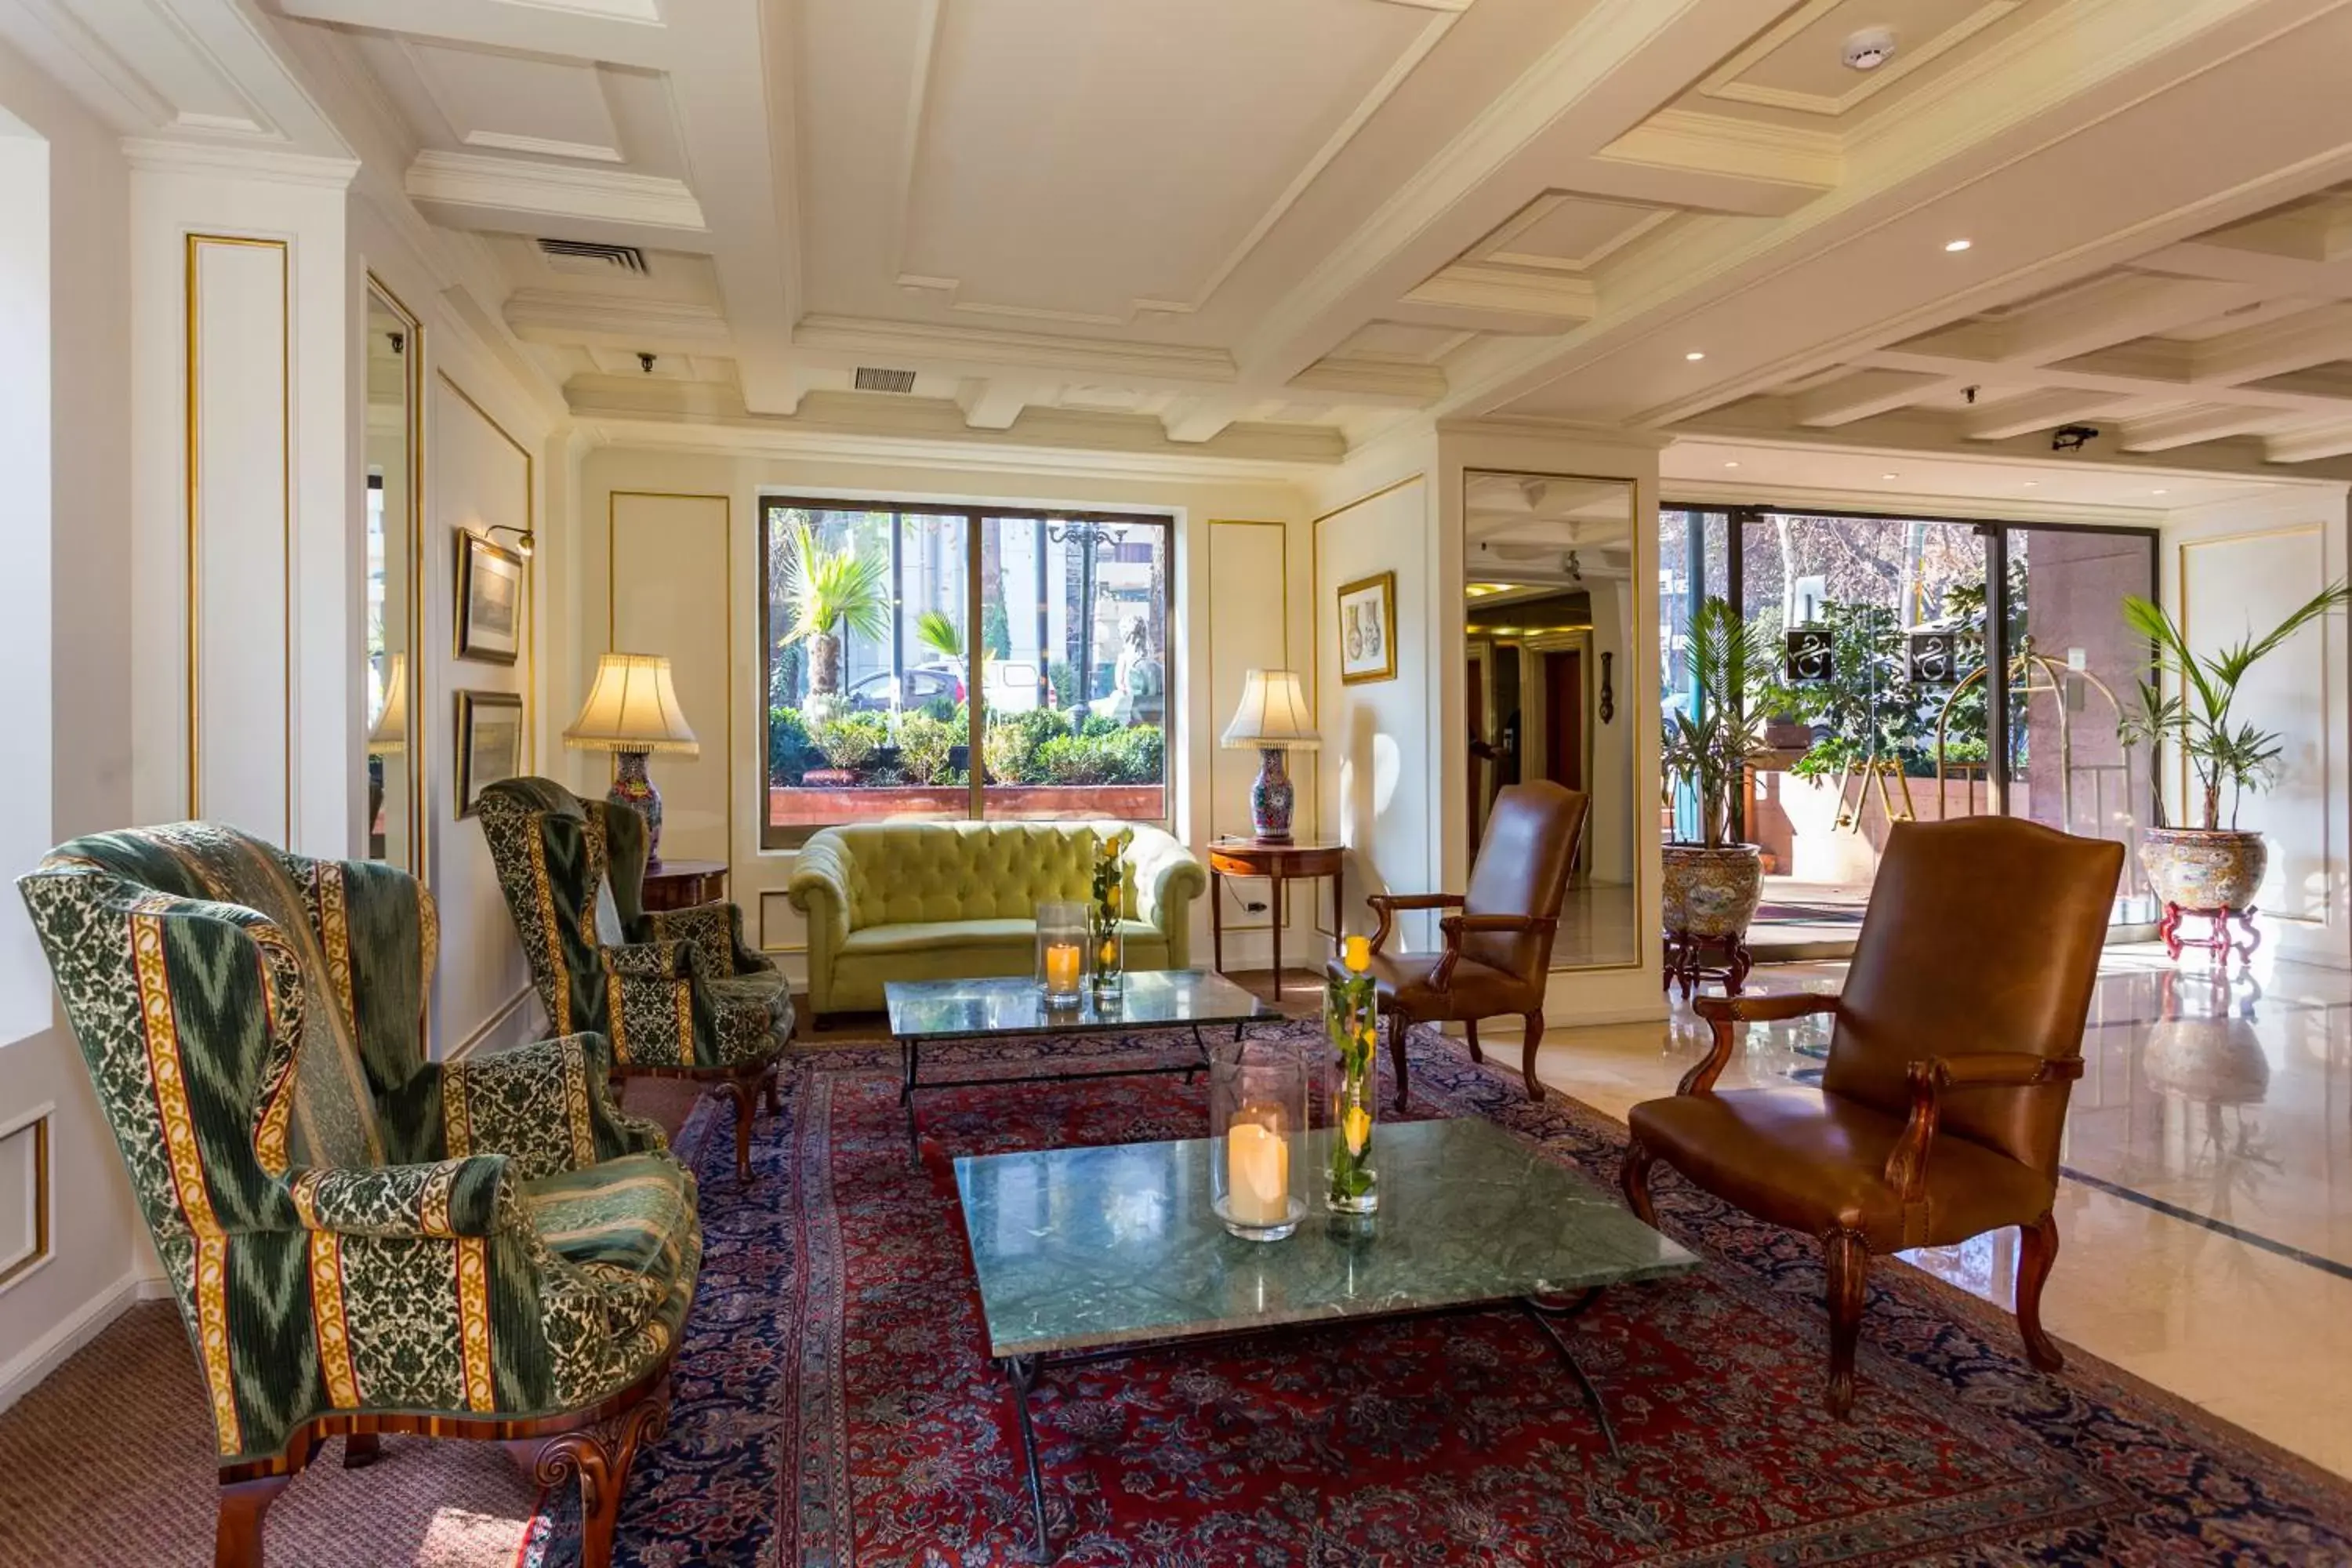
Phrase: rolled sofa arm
pixel 469 1196
pixel 1167 878
pixel 819 889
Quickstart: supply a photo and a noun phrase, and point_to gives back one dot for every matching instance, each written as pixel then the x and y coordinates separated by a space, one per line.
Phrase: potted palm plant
pixel 1712 886
pixel 2209 867
pixel 831 594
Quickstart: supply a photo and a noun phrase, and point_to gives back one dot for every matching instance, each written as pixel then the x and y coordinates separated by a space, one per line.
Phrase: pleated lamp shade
pixel 632 706
pixel 1272 713
pixel 390 731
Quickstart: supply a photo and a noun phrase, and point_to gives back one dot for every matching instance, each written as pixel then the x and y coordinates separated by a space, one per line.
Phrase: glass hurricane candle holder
pixel 1062 952
pixel 1257 1131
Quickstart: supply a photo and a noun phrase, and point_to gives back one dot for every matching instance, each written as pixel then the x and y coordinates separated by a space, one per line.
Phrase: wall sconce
pixel 524 537
pixel 1608 689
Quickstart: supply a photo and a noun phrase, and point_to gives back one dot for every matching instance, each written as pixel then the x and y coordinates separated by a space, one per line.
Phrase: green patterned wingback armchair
pixel 675 991
pixel 362 1241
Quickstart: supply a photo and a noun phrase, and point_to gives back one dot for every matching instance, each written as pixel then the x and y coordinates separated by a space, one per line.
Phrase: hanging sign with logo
pixel 1810 654
pixel 1935 658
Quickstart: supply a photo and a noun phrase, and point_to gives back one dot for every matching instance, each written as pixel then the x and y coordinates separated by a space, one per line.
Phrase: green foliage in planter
pixel 851 740
pixel 926 743
pixel 789 753
pixel 1011 742
pixel 1708 751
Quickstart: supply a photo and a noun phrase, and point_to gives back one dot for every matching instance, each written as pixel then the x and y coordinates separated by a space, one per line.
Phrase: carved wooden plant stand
pixel 1687 957
pixel 2217 938
pixel 595 1447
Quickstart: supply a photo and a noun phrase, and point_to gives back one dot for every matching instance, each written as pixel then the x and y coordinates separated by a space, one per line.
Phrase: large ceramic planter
pixel 2204 869
pixel 1712 893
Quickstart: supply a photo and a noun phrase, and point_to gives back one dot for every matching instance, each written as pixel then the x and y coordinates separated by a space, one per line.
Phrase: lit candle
pixel 1257 1167
pixel 1062 968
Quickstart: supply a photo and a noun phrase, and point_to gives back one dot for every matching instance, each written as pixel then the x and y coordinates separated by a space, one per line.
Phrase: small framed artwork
pixel 490 742
pixel 1368 629
pixel 489 601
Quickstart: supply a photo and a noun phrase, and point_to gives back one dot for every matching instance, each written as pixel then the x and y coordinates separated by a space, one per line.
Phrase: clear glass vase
pixel 1352 1018
pixel 1257 1131
pixel 1108 951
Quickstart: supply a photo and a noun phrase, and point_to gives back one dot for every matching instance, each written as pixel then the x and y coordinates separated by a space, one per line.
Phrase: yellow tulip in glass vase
pixel 1351 1017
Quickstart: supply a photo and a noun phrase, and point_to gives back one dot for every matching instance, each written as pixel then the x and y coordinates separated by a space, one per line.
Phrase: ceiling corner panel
pixel 1081 161
pixel 511 103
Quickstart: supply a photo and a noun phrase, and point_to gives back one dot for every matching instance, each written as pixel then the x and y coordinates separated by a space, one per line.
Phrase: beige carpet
pixel 109 1463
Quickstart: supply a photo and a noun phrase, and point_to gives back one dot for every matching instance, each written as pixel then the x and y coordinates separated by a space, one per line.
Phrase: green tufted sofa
pixel 944 901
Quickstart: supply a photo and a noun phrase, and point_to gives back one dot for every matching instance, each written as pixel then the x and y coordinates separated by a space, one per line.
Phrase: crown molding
pixel 228 160
pixel 1743 149
pixel 553 190
pixel 1717 493
pixel 1485 296
pixel 1526 429
pixel 553 316
pixel 966 351
pixel 1392 383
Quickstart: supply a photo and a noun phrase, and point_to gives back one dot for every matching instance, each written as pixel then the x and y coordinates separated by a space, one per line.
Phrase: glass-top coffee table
pixel 1089 1254
pixel 929 1010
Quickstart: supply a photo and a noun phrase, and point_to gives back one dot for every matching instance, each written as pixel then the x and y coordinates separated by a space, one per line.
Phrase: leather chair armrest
pixel 1725 1014
pixel 1454 927
pixel 1386 905
pixel 1931 1076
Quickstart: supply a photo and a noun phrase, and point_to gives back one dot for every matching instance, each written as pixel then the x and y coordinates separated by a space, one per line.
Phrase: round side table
pixel 1278 863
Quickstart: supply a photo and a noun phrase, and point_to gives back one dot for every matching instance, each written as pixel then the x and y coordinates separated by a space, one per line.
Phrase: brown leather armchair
pixel 1955 1040
pixel 1497 952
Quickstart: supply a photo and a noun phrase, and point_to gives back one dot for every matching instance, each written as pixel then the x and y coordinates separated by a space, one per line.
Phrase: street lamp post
pixel 1088 537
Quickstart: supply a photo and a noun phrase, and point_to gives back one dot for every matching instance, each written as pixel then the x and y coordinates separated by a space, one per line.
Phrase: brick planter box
pixel 790 807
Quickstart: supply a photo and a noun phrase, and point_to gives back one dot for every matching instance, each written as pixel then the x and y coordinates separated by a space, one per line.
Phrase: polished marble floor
pixel 2206 1213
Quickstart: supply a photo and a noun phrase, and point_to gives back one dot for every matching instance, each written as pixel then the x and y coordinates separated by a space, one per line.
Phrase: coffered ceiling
pixel 1274 228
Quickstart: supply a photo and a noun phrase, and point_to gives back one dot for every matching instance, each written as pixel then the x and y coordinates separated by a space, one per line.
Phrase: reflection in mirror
pixel 392 527
pixel 1549 574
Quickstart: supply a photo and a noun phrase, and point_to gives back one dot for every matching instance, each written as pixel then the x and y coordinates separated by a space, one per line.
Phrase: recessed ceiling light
pixel 1890 476
pixel 1695 356
pixel 1956 245
pixel 2155 493
pixel 2030 483
pixel 1732 464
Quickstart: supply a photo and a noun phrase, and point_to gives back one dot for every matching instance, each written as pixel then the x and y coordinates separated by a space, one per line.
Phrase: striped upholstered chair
pixel 675 991
pixel 362 1241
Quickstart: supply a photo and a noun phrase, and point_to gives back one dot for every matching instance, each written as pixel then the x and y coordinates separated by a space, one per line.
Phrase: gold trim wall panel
pixel 1216 721
pixel 612 620
pixel 765 894
pixel 527 682
pixel 34 1126
pixel 192 407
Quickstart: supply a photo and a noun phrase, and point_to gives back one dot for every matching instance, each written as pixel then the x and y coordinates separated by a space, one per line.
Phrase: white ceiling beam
pixel 2274 348
pixel 994 403
pixel 1798 163
pixel 2115 311
pixel 2015 417
pixel 2264 269
pixel 1192 420
pixel 626 31
pixel 1864 393
pixel 1482 297
pixel 2115 384
pixel 620 321
pixel 521 193
pixel 2205 422
pixel 2309 445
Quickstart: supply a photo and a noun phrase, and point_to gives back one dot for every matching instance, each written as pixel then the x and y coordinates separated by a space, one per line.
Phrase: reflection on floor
pixel 2207 1209
pixel 1598 923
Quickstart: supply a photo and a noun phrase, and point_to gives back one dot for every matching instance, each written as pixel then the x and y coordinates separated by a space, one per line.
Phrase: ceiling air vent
pixel 872 380
pixel 595 253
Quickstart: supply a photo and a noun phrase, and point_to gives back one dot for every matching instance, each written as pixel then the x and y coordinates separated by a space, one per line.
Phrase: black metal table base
pixel 910 1049
pixel 1023 1371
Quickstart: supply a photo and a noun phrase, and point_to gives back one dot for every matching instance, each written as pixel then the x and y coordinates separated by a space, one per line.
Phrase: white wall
pixel 687 547
pixel 65 529
pixel 2232 569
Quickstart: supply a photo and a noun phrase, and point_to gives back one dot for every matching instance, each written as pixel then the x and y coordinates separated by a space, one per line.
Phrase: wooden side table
pixel 1278 863
pixel 682 884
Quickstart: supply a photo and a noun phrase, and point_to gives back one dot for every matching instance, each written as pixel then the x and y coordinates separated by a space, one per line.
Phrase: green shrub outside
pixel 1035 747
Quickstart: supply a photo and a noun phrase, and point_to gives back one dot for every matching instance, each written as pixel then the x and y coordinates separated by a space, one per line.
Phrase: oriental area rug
pixel 836 1407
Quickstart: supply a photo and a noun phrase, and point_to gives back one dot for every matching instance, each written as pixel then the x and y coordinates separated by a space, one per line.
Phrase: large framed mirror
pixel 394 525
pixel 1549 620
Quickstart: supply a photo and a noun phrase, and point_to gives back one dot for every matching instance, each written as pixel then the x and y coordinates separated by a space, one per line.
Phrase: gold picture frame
pixel 489 601
pixel 490 742
pixel 1368 629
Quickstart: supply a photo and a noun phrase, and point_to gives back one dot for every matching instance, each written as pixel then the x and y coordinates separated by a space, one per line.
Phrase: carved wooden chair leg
pixel 2037 1250
pixel 1847 1257
pixel 745 1092
pixel 775 1099
pixel 1470 1036
pixel 1633 1176
pixel 361 1450
pixel 237 1542
pixel 1527 1054
pixel 599 1457
pixel 1399 1026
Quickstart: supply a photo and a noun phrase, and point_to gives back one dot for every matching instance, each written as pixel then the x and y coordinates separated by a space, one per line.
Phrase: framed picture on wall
pixel 490 742
pixel 1368 629
pixel 489 601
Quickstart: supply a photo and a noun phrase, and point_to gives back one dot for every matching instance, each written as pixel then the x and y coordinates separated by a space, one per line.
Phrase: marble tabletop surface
pixel 1082 1249
pixel 1147 999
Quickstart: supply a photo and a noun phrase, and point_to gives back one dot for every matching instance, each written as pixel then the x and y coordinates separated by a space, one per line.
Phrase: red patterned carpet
pixel 835 1406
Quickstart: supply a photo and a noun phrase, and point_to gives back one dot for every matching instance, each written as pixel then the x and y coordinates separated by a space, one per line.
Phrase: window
pixel 906 642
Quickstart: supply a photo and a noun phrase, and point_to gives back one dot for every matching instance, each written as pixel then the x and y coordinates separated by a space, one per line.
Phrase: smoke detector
pixel 1870 48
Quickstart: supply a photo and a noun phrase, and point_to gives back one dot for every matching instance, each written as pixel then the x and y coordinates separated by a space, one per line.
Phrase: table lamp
pixel 1274 718
pixel 389 734
pixel 633 710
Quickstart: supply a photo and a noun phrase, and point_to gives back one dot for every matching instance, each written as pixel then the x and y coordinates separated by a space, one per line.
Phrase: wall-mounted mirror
pixel 392 767
pixel 1549 577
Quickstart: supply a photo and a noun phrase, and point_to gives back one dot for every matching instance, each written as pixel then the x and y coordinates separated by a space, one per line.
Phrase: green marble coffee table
pixel 1089 1254
pixel 1004 1006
